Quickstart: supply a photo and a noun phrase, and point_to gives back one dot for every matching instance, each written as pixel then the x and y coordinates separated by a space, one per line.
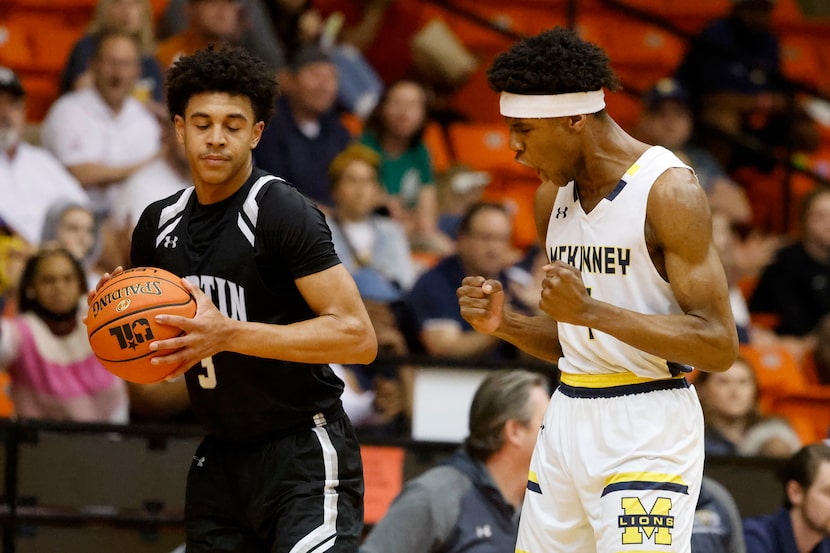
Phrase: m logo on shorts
pixel 656 523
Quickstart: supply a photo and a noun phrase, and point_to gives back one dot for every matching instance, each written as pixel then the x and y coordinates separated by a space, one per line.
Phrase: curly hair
pixel 557 61
pixel 232 70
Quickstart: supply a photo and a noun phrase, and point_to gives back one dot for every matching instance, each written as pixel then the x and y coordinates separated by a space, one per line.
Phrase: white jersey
pixel 608 246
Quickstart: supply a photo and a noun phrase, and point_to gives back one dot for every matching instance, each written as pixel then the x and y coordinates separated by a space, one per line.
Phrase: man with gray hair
pixel 471 501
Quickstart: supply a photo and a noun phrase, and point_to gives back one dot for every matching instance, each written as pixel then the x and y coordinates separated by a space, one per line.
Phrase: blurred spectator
pixel 208 22
pixel 471 501
pixel 739 257
pixel 793 292
pixel 165 175
pixel 396 130
pixel 817 362
pixel 717 527
pixel 30 177
pixel 130 16
pixel 484 248
pixel 364 240
pixel 803 524
pixel 55 374
pixel 734 425
pixel 667 121
pixel 14 251
pixel 458 188
pixel 305 135
pixel 378 404
pixel 103 134
pixel 733 73
pixel 73 227
pixel 243 22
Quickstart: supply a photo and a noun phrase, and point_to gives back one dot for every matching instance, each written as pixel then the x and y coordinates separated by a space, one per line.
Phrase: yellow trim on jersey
pixel 522 551
pixel 632 170
pixel 532 476
pixel 645 477
pixel 607 380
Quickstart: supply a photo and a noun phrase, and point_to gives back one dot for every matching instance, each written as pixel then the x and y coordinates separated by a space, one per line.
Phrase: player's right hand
pixel 104 278
pixel 481 302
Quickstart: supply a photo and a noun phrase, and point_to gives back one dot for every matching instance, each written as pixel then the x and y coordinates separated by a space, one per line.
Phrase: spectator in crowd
pixel 803 524
pixel 305 135
pixel 55 374
pixel 14 252
pixel 793 292
pixel 192 24
pixel 484 248
pixel 103 134
pixel 471 501
pixel 73 227
pixel 459 187
pixel 207 22
pixel 817 363
pixel 130 16
pixel 166 174
pixel 395 129
pixel 733 423
pixel 717 527
pixel 733 73
pixel 667 120
pixel 31 179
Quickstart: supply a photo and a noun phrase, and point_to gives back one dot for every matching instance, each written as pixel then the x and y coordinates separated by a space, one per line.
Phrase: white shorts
pixel 618 473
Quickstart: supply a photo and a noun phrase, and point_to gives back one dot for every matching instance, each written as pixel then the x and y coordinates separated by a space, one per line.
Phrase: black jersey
pixel 245 253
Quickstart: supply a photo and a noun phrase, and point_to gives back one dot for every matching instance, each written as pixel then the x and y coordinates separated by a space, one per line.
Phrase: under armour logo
pixel 200 461
pixel 561 212
pixel 170 241
pixel 484 531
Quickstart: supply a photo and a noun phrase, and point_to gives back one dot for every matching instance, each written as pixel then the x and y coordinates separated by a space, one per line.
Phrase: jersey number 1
pixel 208 380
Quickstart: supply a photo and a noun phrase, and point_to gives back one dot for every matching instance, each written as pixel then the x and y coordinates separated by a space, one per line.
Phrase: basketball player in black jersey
pixel 280 469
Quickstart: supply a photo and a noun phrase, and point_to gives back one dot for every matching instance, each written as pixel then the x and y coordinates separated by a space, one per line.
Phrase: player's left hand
pixel 204 335
pixel 564 297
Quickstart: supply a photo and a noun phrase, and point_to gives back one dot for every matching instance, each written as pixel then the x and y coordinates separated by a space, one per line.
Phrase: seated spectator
pixel 55 374
pixel 103 134
pixel 803 524
pixel 471 501
pixel 395 130
pixel 484 248
pixel 28 174
pixel 717 527
pixel 302 139
pixel 817 361
pixel 130 16
pixel 458 188
pixel 667 121
pixel 73 227
pixel 208 22
pixel 793 292
pixel 190 25
pixel 734 425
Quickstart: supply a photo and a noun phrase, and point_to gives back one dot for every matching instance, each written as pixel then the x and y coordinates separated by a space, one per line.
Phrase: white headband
pixel 538 106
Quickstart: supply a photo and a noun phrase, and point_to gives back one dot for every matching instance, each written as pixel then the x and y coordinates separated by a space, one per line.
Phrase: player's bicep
pixel 331 291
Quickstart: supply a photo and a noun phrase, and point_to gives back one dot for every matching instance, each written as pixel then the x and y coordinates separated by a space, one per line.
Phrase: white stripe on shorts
pixel 322 538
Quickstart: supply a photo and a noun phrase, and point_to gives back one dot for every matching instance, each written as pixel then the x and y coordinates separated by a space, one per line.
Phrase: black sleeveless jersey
pixel 245 253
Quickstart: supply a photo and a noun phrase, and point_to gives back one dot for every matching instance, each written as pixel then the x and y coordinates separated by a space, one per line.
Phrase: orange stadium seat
pixel 517 193
pixel 482 146
pixel 800 59
pixel 777 371
pixel 808 412
pixel 436 143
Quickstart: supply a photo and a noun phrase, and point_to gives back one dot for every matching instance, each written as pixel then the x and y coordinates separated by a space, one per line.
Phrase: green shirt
pixel 406 174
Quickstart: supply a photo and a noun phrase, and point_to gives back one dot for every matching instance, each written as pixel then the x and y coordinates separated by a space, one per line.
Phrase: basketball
pixel 121 321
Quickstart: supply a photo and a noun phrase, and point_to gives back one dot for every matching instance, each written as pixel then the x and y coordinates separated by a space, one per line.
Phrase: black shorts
pixel 300 493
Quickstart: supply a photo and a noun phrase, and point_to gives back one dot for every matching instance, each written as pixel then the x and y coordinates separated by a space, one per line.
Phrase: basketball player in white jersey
pixel 634 296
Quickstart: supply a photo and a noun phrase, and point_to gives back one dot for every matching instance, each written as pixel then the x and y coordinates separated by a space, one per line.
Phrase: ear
pixel 513 431
pixel 259 126
pixel 577 122
pixel 795 493
pixel 178 124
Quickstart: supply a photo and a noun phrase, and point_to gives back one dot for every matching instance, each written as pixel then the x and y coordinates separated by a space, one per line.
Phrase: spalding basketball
pixel 121 321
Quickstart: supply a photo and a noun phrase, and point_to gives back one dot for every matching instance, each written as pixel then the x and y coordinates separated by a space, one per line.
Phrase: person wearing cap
pixel 302 139
pixel 667 120
pixel 31 179
pixel 634 296
pixel 103 134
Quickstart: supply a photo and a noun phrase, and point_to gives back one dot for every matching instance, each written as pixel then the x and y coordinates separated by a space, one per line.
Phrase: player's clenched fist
pixel 564 297
pixel 481 302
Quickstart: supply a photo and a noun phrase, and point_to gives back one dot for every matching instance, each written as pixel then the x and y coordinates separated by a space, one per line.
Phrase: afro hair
pixel 557 61
pixel 231 70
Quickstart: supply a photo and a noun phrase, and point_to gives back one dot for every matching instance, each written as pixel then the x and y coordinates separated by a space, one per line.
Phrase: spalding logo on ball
pixel 121 321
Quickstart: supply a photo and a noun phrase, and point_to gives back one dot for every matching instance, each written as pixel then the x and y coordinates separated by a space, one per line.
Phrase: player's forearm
pixel 92 175
pixel 536 335
pixel 324 339
pixel 463 344
pixel 691 339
